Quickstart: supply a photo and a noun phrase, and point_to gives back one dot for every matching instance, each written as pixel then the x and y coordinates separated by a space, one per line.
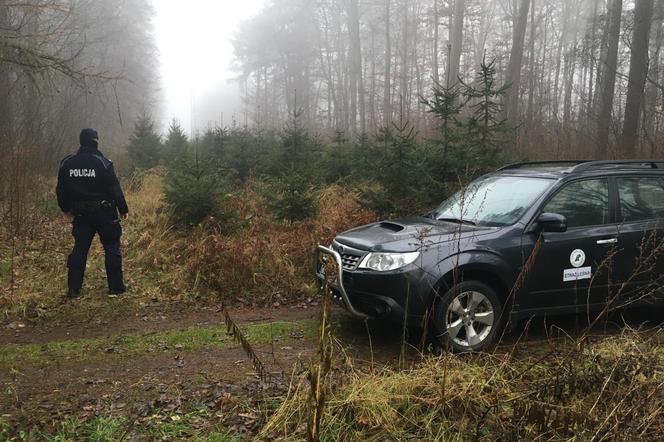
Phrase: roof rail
pixel 647 164
pixel 584 165
pixel 523 165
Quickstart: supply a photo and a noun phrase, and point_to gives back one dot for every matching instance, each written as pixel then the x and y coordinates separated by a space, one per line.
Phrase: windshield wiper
pixel 458 221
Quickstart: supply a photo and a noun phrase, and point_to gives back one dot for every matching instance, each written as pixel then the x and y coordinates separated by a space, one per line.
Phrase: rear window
pixel 641 198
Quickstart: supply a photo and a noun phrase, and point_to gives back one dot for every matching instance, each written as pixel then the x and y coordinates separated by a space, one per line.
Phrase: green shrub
pixel 195 189
pixel 290 197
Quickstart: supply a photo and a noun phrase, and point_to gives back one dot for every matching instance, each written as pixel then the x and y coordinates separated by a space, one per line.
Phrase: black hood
pixel 408 234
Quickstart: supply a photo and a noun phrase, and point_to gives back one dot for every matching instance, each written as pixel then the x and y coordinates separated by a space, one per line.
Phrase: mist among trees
pixel 583 77
pixel 64 65
pixel 387 91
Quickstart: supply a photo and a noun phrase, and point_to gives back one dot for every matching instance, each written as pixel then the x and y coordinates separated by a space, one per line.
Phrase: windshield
pixel 492 200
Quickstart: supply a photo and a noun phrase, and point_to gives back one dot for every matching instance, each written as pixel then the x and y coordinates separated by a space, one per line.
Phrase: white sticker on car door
pixel 577 258
pixel 577 274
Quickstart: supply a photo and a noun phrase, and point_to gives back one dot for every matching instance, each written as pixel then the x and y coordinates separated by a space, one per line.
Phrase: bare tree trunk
pixel 591 61
pixel 5 84
pixel 654 73
pixel 559 58
pixel 434 61
pixel 542 88
pixel 514 66
pixel 638 69
pixel 372 93
pixel 531 63
pixel 387 90
pixel 569 70
pixel 456 40
pixel 355 61
pixel 607 75
pixel 405 64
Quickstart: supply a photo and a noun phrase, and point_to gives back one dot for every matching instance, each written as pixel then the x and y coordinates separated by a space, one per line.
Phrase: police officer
pixel 90 195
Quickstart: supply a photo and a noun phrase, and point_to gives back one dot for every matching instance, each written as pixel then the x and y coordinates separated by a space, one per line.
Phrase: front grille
pixel 350 258
pixel 349 261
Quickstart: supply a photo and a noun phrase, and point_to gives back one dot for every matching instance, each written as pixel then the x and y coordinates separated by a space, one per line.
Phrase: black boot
pixel 114 293
pixel 73 293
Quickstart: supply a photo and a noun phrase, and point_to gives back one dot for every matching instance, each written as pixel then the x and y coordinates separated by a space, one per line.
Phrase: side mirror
pixel 551 222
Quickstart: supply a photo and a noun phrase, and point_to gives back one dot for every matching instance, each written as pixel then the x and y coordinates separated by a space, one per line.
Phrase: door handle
pixel 608 241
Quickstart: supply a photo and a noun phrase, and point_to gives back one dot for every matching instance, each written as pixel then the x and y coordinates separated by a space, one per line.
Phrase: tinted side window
pixel 583 203
pixel 641 198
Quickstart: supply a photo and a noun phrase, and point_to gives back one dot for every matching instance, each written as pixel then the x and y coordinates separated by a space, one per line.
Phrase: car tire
pixel 468 318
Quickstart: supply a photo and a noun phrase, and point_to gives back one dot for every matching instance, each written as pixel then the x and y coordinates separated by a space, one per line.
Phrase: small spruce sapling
pixel 290 195
pixel 144 146
pixel 195 189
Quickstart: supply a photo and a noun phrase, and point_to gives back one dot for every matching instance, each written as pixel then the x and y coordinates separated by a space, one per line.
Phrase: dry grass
pixel 613 389
pixel 265 261
pixel 257 260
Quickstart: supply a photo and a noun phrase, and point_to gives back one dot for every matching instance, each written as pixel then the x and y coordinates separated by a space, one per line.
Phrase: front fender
pixel 446 272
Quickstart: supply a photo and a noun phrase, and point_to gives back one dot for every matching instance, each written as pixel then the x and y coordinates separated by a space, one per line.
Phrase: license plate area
pixel 327 271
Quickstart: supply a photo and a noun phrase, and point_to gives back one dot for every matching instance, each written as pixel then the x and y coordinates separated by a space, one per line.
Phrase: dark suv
pixel 531 239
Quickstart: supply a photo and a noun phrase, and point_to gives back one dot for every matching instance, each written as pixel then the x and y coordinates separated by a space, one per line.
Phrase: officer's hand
pixel 124 216
pixel 68 216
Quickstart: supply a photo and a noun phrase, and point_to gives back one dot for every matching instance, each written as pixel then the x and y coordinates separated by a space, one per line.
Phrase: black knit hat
pixel 89 138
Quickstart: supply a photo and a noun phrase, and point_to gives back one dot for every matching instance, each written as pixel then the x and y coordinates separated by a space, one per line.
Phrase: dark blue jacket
pixel 88 176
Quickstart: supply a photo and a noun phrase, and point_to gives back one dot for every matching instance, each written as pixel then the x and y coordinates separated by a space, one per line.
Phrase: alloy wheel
pixel 469 319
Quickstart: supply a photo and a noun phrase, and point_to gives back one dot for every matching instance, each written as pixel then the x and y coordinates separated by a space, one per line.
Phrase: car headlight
pixel 384 262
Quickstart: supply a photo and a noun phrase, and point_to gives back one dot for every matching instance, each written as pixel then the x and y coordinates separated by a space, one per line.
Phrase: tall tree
pixel 387 88
pixel 456 40
pixel 5 84
pixel 513 78
pixel 638 70
pixel 607 76
pixel 356 80
pixel 653 92
pixel 434 52
pixel 404 68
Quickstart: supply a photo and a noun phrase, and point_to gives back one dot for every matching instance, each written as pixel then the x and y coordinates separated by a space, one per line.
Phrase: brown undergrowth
pixel 254 259
pixel 264 260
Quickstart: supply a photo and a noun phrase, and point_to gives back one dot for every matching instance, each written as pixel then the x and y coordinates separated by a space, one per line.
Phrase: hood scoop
pixel 392 227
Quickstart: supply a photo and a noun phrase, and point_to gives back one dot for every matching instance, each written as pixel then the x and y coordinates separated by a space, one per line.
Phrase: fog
pixel 579 78
pixel 195 54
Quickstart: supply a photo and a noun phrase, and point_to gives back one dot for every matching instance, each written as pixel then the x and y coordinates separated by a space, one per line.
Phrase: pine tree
pixel 446 105
pixel 338 159
pixel 487 131
pixel 290 195
pixel 401 167
pixel 144 144
pixel 195 188
pixel 176 141
pixel 242 150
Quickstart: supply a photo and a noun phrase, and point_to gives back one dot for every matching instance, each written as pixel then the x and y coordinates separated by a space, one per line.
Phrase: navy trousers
pixel 107 225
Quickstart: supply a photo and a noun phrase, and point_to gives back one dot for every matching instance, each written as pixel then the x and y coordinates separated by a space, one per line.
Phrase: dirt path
pixel 150 318
pixel 168 383
pixel 138 387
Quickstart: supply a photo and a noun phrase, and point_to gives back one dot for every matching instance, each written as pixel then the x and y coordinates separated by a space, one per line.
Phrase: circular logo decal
pixel 577 258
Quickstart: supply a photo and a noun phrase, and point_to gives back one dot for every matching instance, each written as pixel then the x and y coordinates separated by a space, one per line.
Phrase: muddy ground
pixel 40 395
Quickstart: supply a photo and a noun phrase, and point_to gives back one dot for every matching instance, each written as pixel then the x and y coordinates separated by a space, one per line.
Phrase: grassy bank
pixel 609 389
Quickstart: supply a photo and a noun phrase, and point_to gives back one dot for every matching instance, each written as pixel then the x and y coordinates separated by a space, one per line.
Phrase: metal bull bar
pixel 340 286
